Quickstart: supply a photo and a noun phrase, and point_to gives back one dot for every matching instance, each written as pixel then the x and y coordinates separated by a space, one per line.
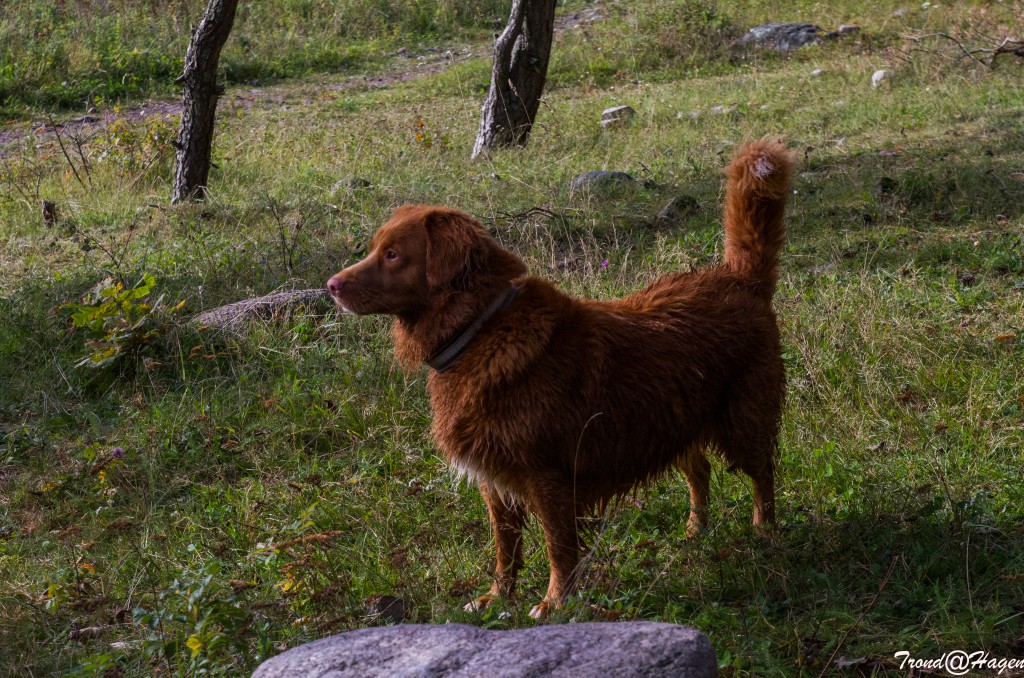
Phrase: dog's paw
pixel 478 604
pixel 695 529
pixel 541 610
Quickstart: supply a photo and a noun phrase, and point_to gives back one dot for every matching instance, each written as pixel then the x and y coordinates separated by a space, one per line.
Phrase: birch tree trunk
pixel 199 100
pixel 521 55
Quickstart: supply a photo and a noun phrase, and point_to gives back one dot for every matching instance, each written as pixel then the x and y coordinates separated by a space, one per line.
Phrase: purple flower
pixel 604 264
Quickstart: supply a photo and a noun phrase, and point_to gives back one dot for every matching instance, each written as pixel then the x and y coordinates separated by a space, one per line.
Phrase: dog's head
pixel 418 255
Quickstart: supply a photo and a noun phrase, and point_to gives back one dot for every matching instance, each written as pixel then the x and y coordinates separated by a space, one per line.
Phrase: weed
pixel 119 322
pixel 199 617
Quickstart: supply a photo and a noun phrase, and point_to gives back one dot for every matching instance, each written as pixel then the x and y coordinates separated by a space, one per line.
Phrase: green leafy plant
pixel 199 614
pixel 119 321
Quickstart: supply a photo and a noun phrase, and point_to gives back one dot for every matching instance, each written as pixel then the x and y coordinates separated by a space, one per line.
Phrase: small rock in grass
pixel 880 76
pixel 725 109
pixel 782 37
pixel 616 116
pixel 601 180
pixel 817 72
pixel 352 184
pixel 49 210
pixel 677 209
pixel 846 29
pixel 886 186
pixel 86 633
pixel 386 609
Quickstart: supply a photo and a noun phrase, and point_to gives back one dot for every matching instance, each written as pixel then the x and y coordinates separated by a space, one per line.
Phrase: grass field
pixel 205 501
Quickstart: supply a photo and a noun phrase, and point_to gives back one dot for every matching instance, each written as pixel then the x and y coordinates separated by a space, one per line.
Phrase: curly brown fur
pixel 560 404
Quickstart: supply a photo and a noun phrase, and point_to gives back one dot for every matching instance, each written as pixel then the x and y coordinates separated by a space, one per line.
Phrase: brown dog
pixel 555 405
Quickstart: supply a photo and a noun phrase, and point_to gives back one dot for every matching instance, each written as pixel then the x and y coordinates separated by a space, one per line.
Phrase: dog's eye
pixel 391 255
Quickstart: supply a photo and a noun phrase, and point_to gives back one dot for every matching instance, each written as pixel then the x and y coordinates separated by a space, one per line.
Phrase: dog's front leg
pixel 508 516
pixel 557 514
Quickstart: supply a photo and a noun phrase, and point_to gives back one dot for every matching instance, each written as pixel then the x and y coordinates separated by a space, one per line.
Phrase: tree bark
pixel 521 55
pixel 195 138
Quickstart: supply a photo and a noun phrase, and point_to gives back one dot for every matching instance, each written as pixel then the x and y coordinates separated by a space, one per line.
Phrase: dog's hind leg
pixel 747 434
pixel 756 458
pixel 761 470
pixel 507 519
pixel 557 513
pixel 697 469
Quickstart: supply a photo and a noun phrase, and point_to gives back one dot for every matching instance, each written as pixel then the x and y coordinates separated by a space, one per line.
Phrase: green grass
pixel 74 55
pixel 150 502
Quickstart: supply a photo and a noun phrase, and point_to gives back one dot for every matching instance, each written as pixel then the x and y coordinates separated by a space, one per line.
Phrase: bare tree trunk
pixel 195 138
pixel 521 55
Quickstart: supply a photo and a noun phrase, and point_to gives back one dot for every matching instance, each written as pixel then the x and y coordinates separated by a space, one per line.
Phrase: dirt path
pixel 405 65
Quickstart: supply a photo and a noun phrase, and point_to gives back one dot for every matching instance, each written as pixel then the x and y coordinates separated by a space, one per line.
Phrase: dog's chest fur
pixel 487 411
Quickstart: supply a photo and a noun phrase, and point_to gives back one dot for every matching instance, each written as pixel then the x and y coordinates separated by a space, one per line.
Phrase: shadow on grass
pixel 903 569
pixel 921 200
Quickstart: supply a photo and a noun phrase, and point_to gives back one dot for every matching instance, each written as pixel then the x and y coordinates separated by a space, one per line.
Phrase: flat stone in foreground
pixel 618 649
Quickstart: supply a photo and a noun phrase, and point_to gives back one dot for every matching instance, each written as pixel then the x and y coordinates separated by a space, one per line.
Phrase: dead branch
pixel 67 157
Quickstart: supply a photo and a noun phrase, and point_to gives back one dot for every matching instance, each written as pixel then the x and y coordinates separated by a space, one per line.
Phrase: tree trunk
pixel 521 55
pixel 199 100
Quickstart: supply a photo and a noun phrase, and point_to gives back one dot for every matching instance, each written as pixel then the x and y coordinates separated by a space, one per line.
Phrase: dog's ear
pixel 459 250
pixel 452 239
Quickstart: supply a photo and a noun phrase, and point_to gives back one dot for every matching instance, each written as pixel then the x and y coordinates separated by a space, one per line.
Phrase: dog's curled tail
pixel 755 202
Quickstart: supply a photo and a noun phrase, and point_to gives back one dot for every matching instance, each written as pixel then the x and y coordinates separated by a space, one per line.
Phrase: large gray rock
pixel 782 37
pixel 617 649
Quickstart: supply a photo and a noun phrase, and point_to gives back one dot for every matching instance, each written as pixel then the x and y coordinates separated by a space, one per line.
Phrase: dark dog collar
pixel 444 358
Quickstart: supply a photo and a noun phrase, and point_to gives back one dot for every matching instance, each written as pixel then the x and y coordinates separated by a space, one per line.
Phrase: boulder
pixel 782 37
pixel 620 649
